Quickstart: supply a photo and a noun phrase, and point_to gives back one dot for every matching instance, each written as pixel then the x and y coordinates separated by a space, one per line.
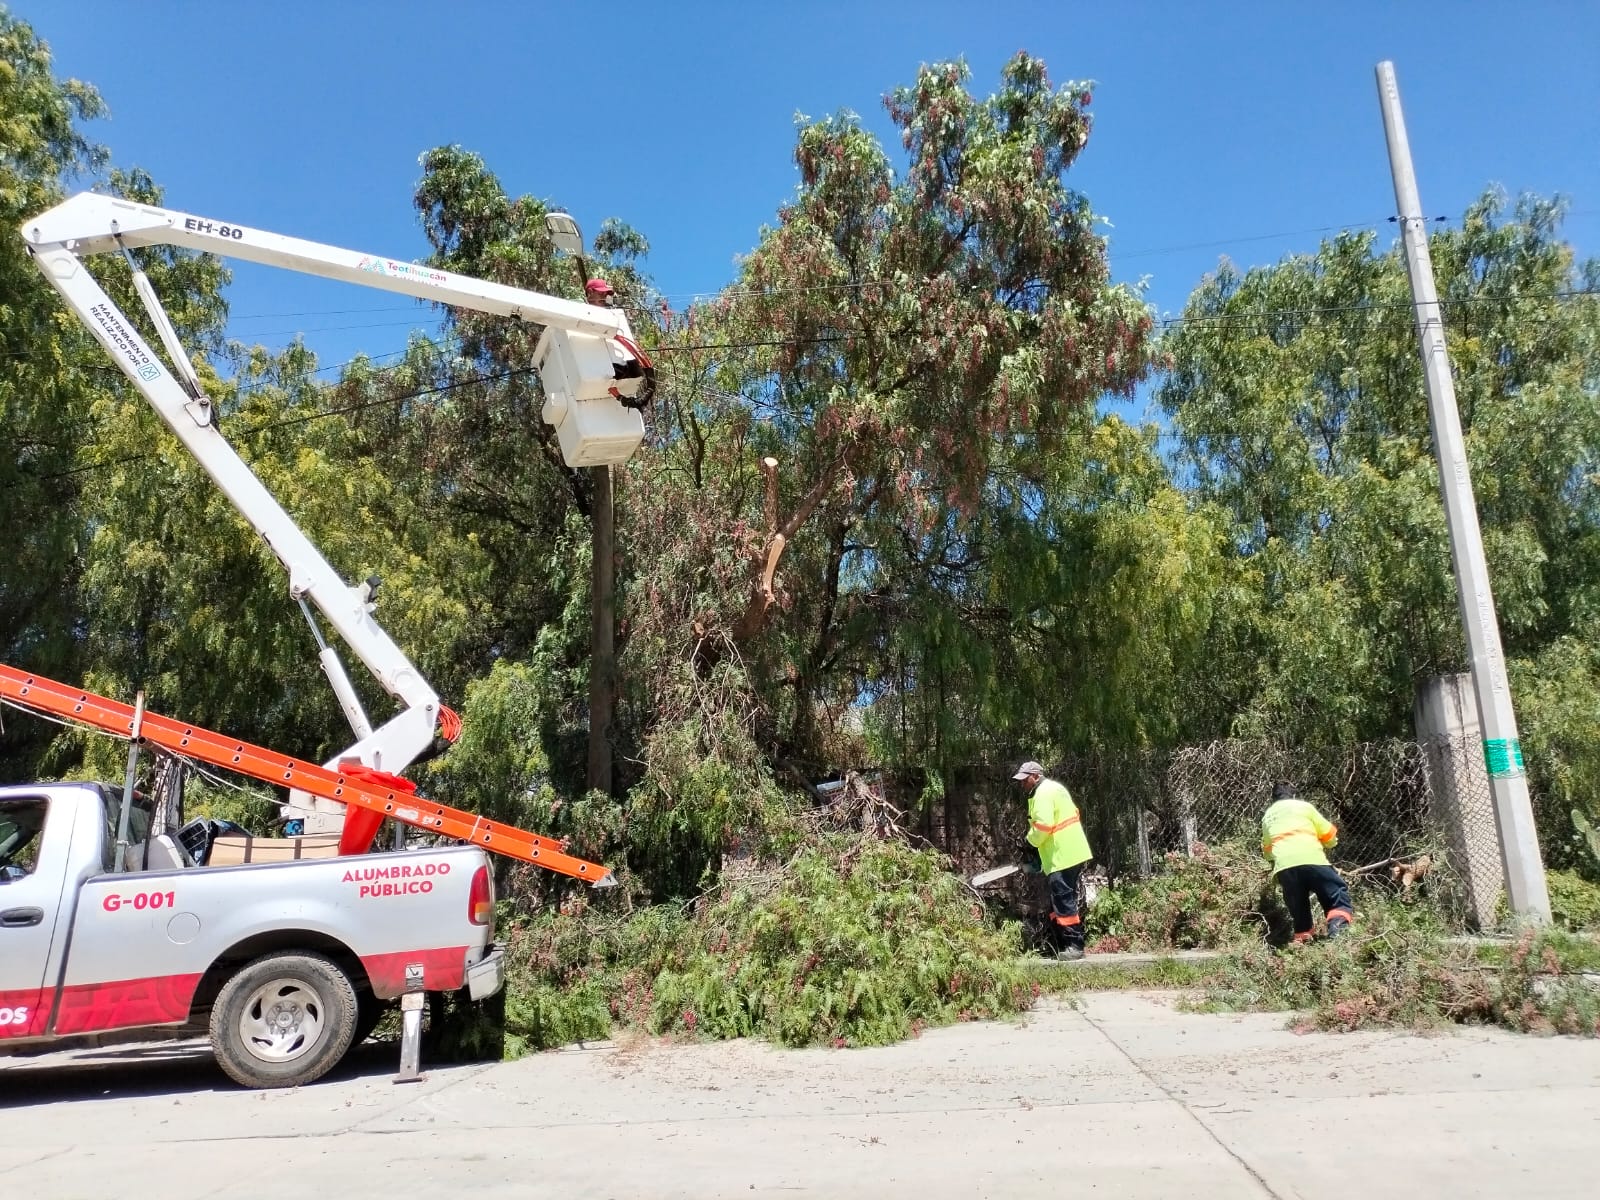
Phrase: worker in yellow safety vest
pixel 1056 832
pixel 1296 838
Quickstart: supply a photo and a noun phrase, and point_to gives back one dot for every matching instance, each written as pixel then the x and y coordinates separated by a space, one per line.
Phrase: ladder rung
pixel 218 750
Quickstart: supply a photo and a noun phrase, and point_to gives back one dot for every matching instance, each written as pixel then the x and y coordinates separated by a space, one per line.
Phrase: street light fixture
pixel 564 233
pixel 568 238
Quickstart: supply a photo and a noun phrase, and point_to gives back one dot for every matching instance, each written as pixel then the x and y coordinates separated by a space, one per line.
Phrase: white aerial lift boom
pixel 596 380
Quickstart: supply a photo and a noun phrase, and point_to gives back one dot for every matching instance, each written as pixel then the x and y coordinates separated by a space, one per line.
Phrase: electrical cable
pixel 286 422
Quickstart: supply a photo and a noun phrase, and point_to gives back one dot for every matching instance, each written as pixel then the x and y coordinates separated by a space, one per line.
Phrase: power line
pixel 324 312
pixel 762 292
pixel 1169 322
pixel 286 422
pixel 380 401
pixel 838 337
pixel 1113 253
pixel 1226 317
pixel 448 340
pixel 731 292
pixel 1162 322
pixel 1406 306
pixel 1364 225
pixel 262 333
pixel 443 344
pixel 1350 227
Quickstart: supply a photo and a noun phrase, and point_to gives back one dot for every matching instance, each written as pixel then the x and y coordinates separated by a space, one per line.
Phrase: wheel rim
pixel 282 1020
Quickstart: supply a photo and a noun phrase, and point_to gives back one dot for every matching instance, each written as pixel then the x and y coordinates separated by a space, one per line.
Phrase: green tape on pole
pixel 1503 756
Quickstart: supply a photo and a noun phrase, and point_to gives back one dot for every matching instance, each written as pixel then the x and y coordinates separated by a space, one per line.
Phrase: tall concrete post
pixel 1519 843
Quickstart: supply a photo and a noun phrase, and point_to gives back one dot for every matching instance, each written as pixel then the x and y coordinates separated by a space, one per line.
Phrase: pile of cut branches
pixel 852 937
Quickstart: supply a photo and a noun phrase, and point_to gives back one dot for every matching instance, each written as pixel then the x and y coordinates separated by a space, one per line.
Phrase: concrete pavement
pixel 1124 1096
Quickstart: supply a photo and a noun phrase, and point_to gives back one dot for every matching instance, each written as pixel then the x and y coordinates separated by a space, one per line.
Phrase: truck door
pixel 33 868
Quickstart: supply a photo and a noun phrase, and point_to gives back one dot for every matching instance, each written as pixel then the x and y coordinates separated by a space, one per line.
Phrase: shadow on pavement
pixel 154 1069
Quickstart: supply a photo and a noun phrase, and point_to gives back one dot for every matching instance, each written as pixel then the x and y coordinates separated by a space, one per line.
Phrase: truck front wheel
pixel 283 1020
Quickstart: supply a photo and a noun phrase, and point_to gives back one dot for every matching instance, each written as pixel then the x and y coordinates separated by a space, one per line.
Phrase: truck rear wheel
pixel 283 1020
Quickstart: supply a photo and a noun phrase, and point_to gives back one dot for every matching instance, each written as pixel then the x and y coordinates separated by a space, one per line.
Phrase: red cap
pixel 598 285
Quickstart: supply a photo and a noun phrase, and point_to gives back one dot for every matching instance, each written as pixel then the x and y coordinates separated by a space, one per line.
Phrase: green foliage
pixel 1087 590
pixel 1542 991
pixel 1558 711
pixel 502 764
pixel 253 808
pixel 966 559
pixel 1396 968
pixel 1574 900
pixel 851 943
pixel 1296 390
pixel 458 1029
pixel 706 783
pixel 1392 969
pixel 576 973
pixel 1574 953
pixel 47 382
pixel 63 406
pixel 1590 834
pixel 1163 974
pixel 912 345
pixel 855 948
pixel 1220 896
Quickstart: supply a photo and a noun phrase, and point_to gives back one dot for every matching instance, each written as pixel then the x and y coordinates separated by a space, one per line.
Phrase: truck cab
pixel 285 964
pixel 34 876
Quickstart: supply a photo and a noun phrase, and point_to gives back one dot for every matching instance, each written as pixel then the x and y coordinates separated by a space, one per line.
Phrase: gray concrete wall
pixel 1446 715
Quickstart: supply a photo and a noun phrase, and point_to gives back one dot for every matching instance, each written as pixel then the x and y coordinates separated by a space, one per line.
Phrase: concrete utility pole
pixel 1513 811
pixel 568 238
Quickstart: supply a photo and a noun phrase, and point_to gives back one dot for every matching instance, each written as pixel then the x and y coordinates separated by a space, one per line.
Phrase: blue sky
pixel 1247 129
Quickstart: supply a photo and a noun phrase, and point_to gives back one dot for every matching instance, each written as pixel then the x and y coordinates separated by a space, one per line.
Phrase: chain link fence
pixel 1403 808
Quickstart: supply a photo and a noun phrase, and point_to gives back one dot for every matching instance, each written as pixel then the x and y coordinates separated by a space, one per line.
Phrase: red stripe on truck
pixel 443 970
pixel 124 1003
pixel 165 999
pixel 21 1014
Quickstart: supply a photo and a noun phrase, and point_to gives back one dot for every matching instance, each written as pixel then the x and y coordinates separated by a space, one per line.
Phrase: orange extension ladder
pixel 369 795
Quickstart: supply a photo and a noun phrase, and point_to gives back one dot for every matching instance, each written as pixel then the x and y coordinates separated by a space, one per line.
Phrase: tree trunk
pixel 602 632
pixel 765 566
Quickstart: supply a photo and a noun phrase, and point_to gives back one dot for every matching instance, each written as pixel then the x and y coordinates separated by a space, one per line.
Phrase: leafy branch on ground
pixel 1397 968
pixel 1216 896
pixel 855 940
pixel 1401 971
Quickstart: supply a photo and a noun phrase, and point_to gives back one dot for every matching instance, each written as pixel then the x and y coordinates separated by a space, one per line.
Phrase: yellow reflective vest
pixel 1055 829
pixel 1295 834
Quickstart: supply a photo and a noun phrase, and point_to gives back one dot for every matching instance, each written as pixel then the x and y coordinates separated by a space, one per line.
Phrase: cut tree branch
pixel 778 537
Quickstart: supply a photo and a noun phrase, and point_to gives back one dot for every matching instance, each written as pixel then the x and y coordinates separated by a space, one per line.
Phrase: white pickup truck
pixel 285 964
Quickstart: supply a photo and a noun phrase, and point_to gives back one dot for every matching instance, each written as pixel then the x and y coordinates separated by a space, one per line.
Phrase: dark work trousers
pixel 1299 884
pixel 1066 923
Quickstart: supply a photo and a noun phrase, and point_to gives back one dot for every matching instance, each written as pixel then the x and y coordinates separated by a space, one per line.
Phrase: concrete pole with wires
pixel 1508 782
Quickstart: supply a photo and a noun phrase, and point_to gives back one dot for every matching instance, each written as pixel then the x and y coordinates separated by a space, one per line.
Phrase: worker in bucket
pixel 1055 831
pixel 1296 838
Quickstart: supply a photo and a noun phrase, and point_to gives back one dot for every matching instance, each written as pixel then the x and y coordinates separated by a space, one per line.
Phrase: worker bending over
pixel 1296 838
pixel 1054 829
